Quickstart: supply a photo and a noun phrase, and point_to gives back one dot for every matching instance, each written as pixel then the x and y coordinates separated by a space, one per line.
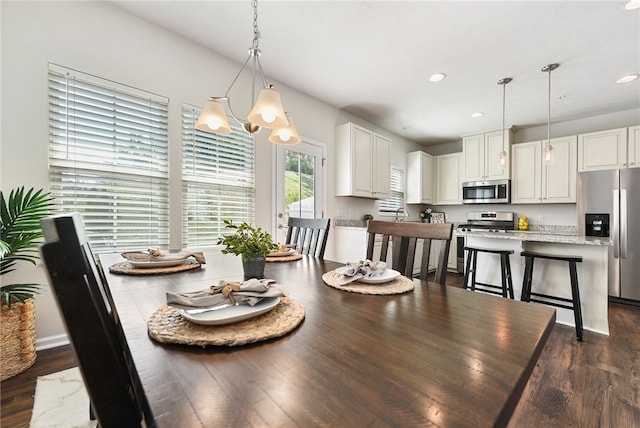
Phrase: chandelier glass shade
pixel 267 110
pixel 287 135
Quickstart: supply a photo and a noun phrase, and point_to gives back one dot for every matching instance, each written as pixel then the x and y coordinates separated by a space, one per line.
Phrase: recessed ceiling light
pixel 437 77
pixel 632 4
pixel 477 114
pixel 627 78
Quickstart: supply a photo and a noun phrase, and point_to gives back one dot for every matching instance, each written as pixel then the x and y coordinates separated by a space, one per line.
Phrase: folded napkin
pixel 250 292
pixel 152 255
pixel 363 269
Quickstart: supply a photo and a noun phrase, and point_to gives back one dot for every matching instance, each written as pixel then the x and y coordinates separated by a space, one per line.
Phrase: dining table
pixel 431 356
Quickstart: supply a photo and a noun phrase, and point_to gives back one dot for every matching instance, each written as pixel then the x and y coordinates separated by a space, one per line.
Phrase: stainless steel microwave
pixel 486 192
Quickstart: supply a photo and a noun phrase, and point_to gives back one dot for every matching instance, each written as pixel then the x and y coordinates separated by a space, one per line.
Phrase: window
pixel 218 180
pixel 108 159
pixel 396 200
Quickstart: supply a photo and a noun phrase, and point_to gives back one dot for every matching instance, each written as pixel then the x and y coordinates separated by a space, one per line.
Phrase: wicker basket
pixel 18 338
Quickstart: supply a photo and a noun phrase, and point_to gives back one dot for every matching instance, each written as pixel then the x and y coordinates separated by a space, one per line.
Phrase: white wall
pixel 99 39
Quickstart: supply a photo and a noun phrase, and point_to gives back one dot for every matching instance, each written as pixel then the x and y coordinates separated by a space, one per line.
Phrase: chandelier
pixel 267 111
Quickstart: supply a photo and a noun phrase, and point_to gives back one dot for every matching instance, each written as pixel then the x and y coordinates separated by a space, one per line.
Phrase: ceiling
pixel 374 58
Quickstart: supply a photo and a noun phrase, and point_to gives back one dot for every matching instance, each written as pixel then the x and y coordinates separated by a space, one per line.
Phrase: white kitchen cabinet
pixel 634 147
pixel 362 162
pixel 420 178
pixel 602 150
pixel 481 154
pixel 449 179
pixel 536 182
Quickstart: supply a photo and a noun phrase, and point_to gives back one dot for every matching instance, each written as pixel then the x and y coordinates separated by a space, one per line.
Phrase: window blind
pixel 108 159
pixel 396 198
pixel 218 180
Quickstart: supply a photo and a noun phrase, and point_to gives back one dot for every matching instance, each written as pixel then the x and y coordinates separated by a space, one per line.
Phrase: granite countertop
pixel 535 236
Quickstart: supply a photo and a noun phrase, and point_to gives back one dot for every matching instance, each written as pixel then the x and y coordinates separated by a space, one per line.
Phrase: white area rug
pixel 61 401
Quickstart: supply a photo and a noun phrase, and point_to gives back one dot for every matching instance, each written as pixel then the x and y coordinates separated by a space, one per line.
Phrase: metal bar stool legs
pixel 506 287
pixel 559 302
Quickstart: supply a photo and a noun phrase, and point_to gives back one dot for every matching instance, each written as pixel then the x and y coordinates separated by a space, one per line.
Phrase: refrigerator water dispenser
pixel 597 225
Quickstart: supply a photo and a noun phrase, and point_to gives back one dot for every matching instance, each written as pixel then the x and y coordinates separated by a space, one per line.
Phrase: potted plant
pixel 366 219
pixel 20 234
pixel 252 243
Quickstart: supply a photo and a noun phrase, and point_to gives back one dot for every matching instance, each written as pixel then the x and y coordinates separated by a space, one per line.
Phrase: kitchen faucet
pixel 406 214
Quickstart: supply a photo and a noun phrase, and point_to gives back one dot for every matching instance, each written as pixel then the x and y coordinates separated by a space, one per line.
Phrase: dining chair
pixel 404 239
pixel 92 324
pixel 309 235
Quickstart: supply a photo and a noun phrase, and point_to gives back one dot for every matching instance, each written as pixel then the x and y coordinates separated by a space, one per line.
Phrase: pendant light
pixel 547 155
pixel 504 157
pixel 267 110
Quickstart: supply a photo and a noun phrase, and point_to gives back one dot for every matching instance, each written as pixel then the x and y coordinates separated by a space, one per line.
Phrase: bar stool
pixel 559 302
pixel 505 271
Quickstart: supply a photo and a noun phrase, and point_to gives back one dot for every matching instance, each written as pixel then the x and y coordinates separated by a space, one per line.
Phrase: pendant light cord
pixel 549 111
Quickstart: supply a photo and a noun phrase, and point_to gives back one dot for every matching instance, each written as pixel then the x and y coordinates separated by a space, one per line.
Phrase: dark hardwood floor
pixel 595 383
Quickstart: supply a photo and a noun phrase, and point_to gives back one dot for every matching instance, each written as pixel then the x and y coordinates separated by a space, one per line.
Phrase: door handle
pixel 623 223
pixel 616 224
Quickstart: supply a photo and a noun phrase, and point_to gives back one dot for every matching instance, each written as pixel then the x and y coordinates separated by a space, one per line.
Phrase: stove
pixel 488 221
pixel 482 221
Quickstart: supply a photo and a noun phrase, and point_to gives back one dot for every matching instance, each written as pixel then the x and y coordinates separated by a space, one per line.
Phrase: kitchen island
pixel 552 277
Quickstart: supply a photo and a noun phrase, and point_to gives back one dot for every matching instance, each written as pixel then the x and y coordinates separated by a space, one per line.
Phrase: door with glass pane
pixel 299 184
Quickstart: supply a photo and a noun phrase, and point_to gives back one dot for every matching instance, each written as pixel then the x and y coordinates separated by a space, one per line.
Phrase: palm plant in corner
pixel 20 234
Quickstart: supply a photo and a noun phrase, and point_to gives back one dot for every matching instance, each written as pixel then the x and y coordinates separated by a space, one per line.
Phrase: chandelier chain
pixel 256 30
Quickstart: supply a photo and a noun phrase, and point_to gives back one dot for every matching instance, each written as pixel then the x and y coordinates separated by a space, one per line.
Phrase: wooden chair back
pixel 91 320
pixel 404 237
pixel 309 235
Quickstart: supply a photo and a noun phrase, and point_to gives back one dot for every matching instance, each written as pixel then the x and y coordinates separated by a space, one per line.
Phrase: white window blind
pixel 396 199
pixel 218 180
pixel 108 159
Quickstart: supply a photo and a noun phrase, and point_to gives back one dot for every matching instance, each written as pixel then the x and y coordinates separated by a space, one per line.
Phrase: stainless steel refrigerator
pixel 609 205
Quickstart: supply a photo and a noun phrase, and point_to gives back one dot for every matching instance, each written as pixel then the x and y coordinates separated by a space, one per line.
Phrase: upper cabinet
pixel 536 182
pixel 602 150
pixel 449 179
pixel 362 162
pixel 481 154
pixel 634 147
pixel 420 178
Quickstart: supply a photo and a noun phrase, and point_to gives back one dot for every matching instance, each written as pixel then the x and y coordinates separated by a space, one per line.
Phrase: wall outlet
pixel 541 218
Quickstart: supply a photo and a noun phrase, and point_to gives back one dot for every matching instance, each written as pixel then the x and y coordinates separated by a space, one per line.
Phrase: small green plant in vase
pixel 252 243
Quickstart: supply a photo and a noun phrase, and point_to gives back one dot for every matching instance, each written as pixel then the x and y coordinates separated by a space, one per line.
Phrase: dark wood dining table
pixel 435 356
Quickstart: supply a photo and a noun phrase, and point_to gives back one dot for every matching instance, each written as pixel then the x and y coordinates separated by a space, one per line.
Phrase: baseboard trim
pixel 51 342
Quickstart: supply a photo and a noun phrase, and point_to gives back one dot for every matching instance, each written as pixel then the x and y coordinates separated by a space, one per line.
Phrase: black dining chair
pixel 91 320
pixel 309 235
pixel 403 237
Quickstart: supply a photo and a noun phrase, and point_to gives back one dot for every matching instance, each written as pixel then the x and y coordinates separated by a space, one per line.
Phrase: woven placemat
pixel 126 268
pixel 166 325
pixel 400 285
pixel 291 258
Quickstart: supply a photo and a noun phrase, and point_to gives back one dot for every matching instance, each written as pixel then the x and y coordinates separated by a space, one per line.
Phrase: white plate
pixel 233 313
pixel 386 276
pixel 156 264
pixel 288 252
